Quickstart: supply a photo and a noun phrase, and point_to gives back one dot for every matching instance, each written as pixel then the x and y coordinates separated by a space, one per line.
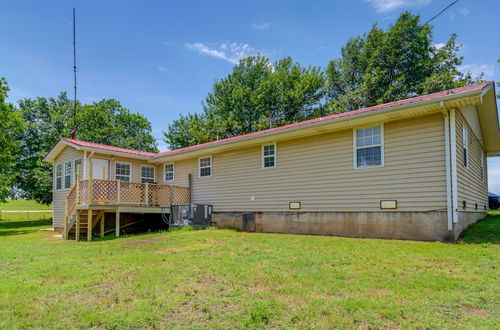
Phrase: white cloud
pixel 231 52
pixel 261 26
pixel 162 69
pixel 477 68
pixel 464 11
pixel 385 6
pixel 439 45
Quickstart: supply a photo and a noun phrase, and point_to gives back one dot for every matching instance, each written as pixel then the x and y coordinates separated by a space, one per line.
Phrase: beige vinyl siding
pixel 318 171
pixel 471 188
pixel 59 196
pixel 135 167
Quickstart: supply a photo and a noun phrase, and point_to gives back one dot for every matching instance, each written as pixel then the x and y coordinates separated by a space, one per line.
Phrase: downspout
pixel 449 208
pixel 89 165
pixel 453 144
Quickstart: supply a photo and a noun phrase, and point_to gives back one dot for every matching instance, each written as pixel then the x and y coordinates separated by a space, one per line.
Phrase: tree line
pixel 378 67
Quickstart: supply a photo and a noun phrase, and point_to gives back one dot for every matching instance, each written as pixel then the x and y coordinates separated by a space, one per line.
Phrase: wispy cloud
pixel 462 11
pixel 261 26
pixel 477 68
pixel 162 69
pixel 385 6
pixel 231 52
pixel 439 45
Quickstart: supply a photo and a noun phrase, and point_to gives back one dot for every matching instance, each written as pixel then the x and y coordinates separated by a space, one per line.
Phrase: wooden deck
pixel 91 198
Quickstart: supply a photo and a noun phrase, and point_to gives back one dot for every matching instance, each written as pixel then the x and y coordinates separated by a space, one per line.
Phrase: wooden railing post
pixel 146 193
pixel 171 201
pixel 89 188
pixel 77 184
pixel 118 192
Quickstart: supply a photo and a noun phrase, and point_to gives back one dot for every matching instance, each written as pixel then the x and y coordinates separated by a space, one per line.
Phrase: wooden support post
pixel 77 232
pixel 117 224
pixel 102 225
pixel 146 193
pixel 89 226
pixel 65 223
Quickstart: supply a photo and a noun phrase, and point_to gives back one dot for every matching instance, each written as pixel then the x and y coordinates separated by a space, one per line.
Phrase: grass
pixel 24 205
pixel 224 278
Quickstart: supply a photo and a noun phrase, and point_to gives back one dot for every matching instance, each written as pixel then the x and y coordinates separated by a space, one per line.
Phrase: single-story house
pixel 411 169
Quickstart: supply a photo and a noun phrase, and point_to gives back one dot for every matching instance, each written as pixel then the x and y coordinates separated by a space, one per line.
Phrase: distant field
pixel 23 204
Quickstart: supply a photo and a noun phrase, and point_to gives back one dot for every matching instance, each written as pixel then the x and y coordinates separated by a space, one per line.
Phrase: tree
pixel 49 119
pixel 247 98
pixel 384 66
pixel 10 125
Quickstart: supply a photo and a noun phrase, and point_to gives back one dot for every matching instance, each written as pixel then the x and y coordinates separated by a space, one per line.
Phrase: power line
pixel 442 11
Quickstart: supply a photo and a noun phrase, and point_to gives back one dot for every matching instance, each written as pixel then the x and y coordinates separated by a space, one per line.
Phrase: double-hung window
pixel 67 175
pixel 369 147
pixel 205 166
pixel 58 176
pixel 122 171
pixel 169 172
pixel 147 174
pixel 269 155
pixel 465 142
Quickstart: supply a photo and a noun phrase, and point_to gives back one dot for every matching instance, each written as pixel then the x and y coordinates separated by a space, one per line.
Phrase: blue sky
pixel 161 58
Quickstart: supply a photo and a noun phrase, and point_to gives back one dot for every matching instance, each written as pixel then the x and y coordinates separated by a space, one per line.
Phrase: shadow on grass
pixel 9 228
pixel 483 231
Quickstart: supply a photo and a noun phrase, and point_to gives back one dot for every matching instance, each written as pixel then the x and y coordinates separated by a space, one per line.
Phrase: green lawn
pixel 224 278
pixel 24 205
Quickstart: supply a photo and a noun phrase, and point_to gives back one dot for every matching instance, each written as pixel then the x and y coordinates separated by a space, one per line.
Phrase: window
pixel 78 167
pixel 169 172
pixel 67 175
pixel 269 155
pixel 205 166
pixel 465 139
pixel 147 174
pixel 368 146
pixel 122 171
pixel 59 177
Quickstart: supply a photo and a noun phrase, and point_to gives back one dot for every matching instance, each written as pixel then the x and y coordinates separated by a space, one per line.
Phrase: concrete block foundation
pixel 423 226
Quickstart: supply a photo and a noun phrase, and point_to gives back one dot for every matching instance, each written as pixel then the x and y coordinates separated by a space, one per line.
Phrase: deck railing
pixel 116 192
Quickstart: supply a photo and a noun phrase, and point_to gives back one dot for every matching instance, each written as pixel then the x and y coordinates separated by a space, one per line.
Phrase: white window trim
pixel 71 174
pixel 61 176
pixel 465 145
pixel 130 167
pixel 75 169
pixel 275 155
pixel 211 167
pixel 354 148
pixel 154 172
pixel 173 172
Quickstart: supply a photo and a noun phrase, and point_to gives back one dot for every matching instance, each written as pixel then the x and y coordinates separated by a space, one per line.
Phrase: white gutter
pixel 449 208
pixel 453 140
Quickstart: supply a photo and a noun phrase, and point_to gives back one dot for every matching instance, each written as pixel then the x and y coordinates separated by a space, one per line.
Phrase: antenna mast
pixel 73 132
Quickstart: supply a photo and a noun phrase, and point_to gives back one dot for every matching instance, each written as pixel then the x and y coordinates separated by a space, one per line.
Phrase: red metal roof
pixel 427 97
pixel 109 148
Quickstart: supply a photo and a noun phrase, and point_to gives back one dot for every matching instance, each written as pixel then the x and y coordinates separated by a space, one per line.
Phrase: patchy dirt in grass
pixel 474 311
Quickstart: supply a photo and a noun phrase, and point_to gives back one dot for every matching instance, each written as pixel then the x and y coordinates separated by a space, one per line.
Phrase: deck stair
pixel 84 224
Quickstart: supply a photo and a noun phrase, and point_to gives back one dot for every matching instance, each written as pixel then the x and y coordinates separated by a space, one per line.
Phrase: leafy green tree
pixel 247 98
pixel 49 119
pixel 10 125
pixel 384 66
